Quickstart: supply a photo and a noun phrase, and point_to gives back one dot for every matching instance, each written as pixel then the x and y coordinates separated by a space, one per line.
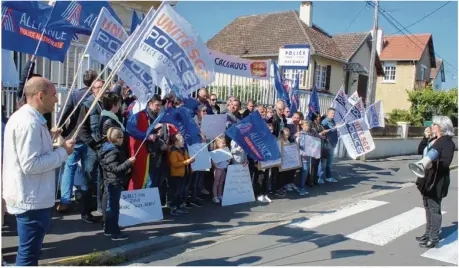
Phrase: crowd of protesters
pixel 112 156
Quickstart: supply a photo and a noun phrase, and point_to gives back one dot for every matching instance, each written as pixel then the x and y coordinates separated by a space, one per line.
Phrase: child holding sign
pixel 115 167
pixel 219 172
pixel 179 163
pixel 286 177
pixel 306 130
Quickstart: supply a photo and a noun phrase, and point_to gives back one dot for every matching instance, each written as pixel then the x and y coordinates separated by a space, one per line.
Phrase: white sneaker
pixel 261 198
pixel 266 198
pixel 321 181
pixel 216 200
pixel 331 180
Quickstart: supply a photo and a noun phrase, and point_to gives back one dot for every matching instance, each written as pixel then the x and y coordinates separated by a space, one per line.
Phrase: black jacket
pixel 114 163
pixel 276 121
pixel 436 181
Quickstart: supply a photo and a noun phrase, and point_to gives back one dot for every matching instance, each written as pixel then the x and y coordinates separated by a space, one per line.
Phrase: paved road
pixel 365 232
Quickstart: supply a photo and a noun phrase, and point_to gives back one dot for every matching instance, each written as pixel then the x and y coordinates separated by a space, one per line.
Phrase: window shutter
pixel 327 81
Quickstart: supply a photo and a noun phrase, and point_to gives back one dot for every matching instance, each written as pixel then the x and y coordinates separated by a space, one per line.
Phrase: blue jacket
pixel 332 136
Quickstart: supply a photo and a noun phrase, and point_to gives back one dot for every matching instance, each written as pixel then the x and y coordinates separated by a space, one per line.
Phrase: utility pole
pixel 371 74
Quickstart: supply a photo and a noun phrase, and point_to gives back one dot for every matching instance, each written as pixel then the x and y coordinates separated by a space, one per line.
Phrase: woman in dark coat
pixel 438 147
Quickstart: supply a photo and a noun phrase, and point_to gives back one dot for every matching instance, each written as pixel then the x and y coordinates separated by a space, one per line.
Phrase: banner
pixel 281 85
pixel 105 41
pixel 172 48
pixel 375 115
pixel 22 25
pixel 78 16
pixel 354 98
pixel 356 112
pixel 257 69
pixel 295 97
pixel 356 138
pixel 341 105
pixel 313 106
pixel 181 119
pixel 135 21
pixel 253 135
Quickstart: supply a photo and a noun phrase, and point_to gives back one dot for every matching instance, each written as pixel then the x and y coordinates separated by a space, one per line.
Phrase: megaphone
pixel 420 167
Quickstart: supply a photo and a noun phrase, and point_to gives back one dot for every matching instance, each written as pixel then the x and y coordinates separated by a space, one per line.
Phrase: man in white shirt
pixel 29 170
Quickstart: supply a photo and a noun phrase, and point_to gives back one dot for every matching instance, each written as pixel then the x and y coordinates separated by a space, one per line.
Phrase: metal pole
pixel 370 86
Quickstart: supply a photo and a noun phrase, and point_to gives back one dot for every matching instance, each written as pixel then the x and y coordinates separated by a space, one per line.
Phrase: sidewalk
pixel 70 236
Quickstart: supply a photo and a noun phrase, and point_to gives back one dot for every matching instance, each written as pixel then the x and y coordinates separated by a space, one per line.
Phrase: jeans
pixel 433 217
pixel 32 226
pixel 68 176
pixel 112 212
pixel 304 172
pixel 327 163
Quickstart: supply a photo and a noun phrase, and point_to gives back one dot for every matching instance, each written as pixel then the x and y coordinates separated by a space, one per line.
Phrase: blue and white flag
pixel 281 85
pixel 135 21
pixel 22 27
pixel 313 106
pixel 180 117
pixel 354 98
pixel 356 112
pixel 356 138
pixel 253 135
pixel 375 115
pixel 341 105
pixel 295 97
pixel 105 41
pixel 152 125
pixel 78 16
pixel 172 48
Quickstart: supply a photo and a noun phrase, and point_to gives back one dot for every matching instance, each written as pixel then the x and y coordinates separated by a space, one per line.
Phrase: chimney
pixel 379 40
pixel 306 13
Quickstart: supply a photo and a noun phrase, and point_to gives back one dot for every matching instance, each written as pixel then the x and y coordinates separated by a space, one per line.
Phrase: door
pixel 362 87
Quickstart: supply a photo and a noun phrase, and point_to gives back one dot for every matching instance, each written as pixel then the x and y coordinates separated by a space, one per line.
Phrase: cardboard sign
pixel 312 146
pixel 220 155
pixel 238 186
pixel 213 125
pixel 202 161
pixel 271 163
pixel 290 157
pixel 140 206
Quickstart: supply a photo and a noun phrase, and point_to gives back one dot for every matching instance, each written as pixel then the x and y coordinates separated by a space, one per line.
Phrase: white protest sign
pixel 354 98
pixel 271 163
pixel 213 125
pixel 223 63
pixel 356 112
pixel 140 206
pixel 220 155
pixel 356 138
pixel 375 115
pixel 290 157
pixel 312 145
pixel 294 56
pixel 202 161
pixel 238 186
pixel 341 105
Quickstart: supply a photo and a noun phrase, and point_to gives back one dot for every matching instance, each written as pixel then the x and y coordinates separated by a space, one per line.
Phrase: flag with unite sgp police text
pixel 357 138
pixel 171 47
pixel 375 115
pixel 357 111
pixel 253 135
pixel 341 105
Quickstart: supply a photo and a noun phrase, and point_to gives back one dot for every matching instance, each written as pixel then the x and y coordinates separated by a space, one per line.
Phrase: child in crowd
pixel 306 130
pixel 115 167
pixel 179 163
pixel 285 180
pixel 219 172
pixel 268 174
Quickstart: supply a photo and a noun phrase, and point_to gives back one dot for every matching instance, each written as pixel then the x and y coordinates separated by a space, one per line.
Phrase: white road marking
pixel 339 214
pixel 384 232
pixel 446 250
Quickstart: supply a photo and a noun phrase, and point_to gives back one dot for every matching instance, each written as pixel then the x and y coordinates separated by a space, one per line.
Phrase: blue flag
pixel 253 135
pixel 152 125
pixel 181 119
pixel 280 85
pixel 313 106
pixel 22 25
pixel 295 98
pixel 78 16
pixel 135 21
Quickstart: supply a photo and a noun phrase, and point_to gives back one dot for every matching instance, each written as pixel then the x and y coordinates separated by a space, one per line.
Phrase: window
pixel 321 76
pixel 389 70
pixel 291 73
pixel 423 72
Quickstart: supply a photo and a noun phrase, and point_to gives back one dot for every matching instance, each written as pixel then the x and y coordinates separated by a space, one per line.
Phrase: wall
pixel 393 94
pixel 337 72
pixel 425 60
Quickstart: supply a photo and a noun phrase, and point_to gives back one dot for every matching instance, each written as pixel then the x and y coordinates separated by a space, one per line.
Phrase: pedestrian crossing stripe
pixel 386 231
pixel 338 214
pixel 446 250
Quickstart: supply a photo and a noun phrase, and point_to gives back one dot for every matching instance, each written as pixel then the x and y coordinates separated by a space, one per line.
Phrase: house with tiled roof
pixel 336 60
pixel 408 61
pixel 437 75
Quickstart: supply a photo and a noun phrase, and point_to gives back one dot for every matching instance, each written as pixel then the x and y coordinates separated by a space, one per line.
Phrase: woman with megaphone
pixel 433 181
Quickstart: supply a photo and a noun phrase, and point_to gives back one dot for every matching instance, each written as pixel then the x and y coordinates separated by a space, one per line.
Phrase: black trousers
pixel 433 217
pixel 312 176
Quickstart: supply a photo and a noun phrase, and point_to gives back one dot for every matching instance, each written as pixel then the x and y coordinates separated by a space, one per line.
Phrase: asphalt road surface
pixel 365 231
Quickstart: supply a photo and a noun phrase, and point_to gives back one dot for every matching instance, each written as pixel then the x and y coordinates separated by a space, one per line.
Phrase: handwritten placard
pixel 238 186
pixel 271 163
pixel 140 206
pixel 312 145
pixel 213 125
pixel 290 157
pixel 202 161
pixel 220 155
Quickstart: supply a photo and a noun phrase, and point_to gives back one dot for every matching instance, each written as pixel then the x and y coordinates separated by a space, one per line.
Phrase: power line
pixel 421 19
pixel 353 20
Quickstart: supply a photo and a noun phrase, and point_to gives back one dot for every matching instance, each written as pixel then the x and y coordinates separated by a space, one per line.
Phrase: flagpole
pixel 206 145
